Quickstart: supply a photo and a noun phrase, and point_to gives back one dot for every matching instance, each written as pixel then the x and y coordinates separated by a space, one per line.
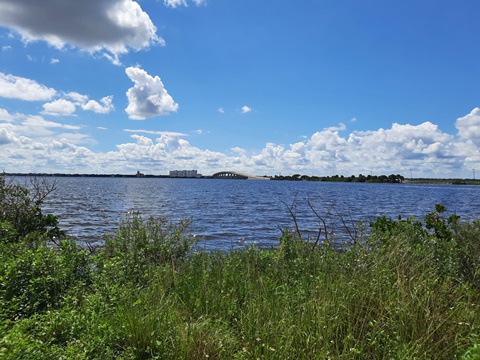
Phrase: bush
pixel 33 280
pixel 139 246
pixel 35 275
pixel 21 208
pixel 468 252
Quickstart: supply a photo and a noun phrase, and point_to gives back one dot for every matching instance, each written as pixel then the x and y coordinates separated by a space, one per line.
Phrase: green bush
pixel 140 245
pixel 468 251
pixel 453 246
pixel 33 280
pixel 21 208
pixel 8 233
pixel 35 274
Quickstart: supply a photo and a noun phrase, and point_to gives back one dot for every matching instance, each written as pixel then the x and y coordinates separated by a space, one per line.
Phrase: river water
pixel 228 214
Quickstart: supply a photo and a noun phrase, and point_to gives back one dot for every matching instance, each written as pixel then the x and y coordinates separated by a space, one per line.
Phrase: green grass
pixel 410 290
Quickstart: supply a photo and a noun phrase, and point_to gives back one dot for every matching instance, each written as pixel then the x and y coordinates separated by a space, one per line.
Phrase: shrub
pixel 140 245
pixel 21 208
pixel 468 251
pixel 34 275
pixel 33 280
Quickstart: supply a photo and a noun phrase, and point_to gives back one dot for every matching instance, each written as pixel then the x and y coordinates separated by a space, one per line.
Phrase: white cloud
pixel 35 126
pixel 35 122
pixel 98 108
pixel 169 133
pixel 6 137
pixel 238 150
pixel 15 87
pixel 77 98
pixel 6 48
pixel 469 126
pixel 59 107
pixel 148 97
pixel 340 127
pixel 176 3
pixel 6 116
pixel 77 138
pixel 246 109
pixel 54 61
pixel 104 106
pixel 114 26
pixel 114 59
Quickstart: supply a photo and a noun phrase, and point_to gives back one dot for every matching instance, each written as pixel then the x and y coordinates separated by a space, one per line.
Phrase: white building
pixel 184 173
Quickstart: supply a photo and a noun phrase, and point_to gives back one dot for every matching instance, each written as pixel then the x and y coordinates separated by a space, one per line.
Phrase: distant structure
pixel 184 174
pixel 229 175
pixel 139 174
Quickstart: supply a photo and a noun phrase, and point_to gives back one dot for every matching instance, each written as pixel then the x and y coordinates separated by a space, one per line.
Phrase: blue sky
pixel 316 87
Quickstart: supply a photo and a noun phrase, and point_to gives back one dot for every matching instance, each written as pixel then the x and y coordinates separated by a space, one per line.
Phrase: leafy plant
pixel 33 280
pixel 21 208
pixel 140 245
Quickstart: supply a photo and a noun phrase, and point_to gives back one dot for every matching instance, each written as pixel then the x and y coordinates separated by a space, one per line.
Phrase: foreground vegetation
pixel 408 290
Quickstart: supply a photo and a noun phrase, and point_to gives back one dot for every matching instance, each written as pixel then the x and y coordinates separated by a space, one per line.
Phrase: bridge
pixel 235 175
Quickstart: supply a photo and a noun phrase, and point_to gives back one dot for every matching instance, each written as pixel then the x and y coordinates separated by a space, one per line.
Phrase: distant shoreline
pixel 103 175
pixel 450 181
pixel 86 175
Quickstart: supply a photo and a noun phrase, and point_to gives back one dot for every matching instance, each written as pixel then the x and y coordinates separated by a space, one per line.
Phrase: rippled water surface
pixel 231 213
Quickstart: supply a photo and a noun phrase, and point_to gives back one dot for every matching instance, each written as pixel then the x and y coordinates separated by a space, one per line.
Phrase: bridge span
pixel 235 175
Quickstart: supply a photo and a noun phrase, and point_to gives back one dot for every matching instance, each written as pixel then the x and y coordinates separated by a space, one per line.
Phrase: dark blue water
pixel 231 213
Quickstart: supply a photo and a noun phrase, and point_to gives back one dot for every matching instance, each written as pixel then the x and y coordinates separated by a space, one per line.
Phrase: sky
pixel 311 87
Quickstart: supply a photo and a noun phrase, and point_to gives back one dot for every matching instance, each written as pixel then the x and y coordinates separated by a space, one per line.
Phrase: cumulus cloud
pixel 104 108
pixel 16 87
pixel 64 107
pixel 114 26
pixel 78 99
pixel 148 97
pixel 60 107
pixel 54 61
pixel 6 137
pixel 238 150
pixel 245 109
pixel 5 115
pixel 469 126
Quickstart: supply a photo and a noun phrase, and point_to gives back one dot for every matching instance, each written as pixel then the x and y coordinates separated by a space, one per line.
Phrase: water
pixel 232 213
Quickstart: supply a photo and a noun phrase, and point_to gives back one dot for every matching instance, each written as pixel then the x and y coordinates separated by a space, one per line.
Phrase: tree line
pixel 393 179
